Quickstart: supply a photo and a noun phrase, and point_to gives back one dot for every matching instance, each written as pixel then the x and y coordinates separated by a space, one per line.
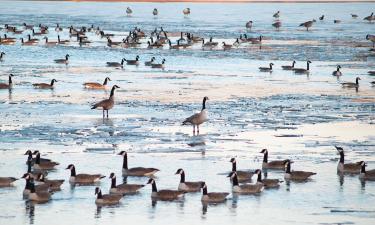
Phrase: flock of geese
pixel 39 188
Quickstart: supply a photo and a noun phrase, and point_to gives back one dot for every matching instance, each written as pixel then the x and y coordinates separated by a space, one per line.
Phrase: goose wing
pixel 169 194
pixel 142 171
pixel 130 187
pixel 217 195
pixel 87 178
pixel 106 103
pixel 301 174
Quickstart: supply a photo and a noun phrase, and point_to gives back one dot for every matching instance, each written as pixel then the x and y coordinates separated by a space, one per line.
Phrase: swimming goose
pixel 107 104
pixel 54 185
pixel 94 85
pixel 351 84
pixel 82 178
pixel 135 171
pixel 7 181
pixel 289 67
pixel 107 199
pixel 59 41
pixel 371 38
pixel 149 63
pixel 164 195
pixel 38 188
pixel 321 18
pixel 212 197
pixel 186 11
pixel 176 46
pixel 111 43
pixel 35 174
pixel 198 118
pixel 155 12
pixel 82 41
pixel 32 39
pixel 158 65
pixel 43 165
pixel 370 18
pixel 296 175
pixel 58 28
pixel 50 42
pixel 277 14
pixel 249 25
pixel 366 174
pixel 63 61
pixel 244 188
pixel 241 175
pixel 303 70
pixel 337 72
pixel 236 43
pixel 116 64
pixel 307 24
pixel 123 188
pixel 268 183
pixel 342 167
pixel 7 85
pixel 226 46
pixel 336 21
pixel 277 164
pixel 27 42
pixel 45 85
pixel 188 186
pixel 28 27
pixel 133 61
pixel 266 69
pixel 30 158
pixel 36 33
pixel 2 56
pixel 8 39
pixel 354 16
pixel 39 197
pixel 209 44
pixel 277 25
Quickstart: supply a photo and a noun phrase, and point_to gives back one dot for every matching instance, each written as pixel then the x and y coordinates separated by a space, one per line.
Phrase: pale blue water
pixel 294 116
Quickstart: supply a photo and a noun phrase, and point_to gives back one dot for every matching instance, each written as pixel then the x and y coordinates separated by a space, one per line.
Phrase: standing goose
pixel 186 11
pixel 38 188
pixel 351 84
pixel 366 174
pixel 39 197
pixel 337 72
pixel 7 85
pixel 82 178
pixel 135 171
pixel 268 183
pixel 342 167
pixel 370 18
pixel 242 176
pixel 94 85
pixel 277 14
pixel 244 188
pixel 277 164
pixel 107 104
pixel 108 199
pixel 123 188
pixel 266 69
pixel 289 67
pixel 307 24
pixel 277 25
pixel 63 61
pixel 149 63
pixel 249 25
pixel 7 181
pixel 371 38
pixel 129 11
pixel 133 61
pixel 164 195
pixel 43 165
pixel 158 65
pixel 303 70
pixel 116 64
pixel 212 197
pixel 2 56
pixel 198 118
pixel 188 186
pixel 296 175
pixel 45 85
pixel 155 12
pixel 54 185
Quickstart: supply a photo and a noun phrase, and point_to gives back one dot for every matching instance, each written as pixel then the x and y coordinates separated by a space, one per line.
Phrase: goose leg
pixel 107 113
pixel 197 129
pixel 103 113
pixel 193 129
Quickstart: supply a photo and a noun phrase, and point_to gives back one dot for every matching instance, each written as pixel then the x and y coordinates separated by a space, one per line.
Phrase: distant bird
pixel 212 197
pixel 149 63
pixel 107 199
pixel 164 195
pixel 277 14
pixel 62 42
pixel 289 67
pixel 107 104
pixel 133 61
pixel 116 64
pixel 43 165
pixel 277 25
pixel 296 175
pixel 50 43
pixel 188 186
pixel 342 167
pixel 58 28
pixel 186 11
pixel 276 164
pixel 366 174
pixel 268 183
pixel 94 85
pixel 124 188
pixel 370 18
pixel 371 38
pixel 351 84
pixel 337 72
pixel 7 181
pixel 63 61
pixel 198 118
pixel 226 46
pixel 321 18
pixel 135 171
pixel 249 25
pixel 82 178
pixel 155 12
pixel 245 188
pixel 129 11
pixel 336 21
pixel 45 85
pixel 307 24
pixel 243 176
pixel 266 69
pixel 7 85
pixel 354 16
pixel 2 56
pixel 158 65
pixel 303 70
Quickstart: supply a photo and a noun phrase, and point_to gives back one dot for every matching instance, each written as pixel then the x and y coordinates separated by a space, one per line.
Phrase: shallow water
pixel 295 116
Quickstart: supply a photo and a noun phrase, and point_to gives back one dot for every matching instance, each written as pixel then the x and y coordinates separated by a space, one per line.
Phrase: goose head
pixel 36 152
pixel 163 61
pixel 97 190
pixel 203 185
pixel 137 57
pixel 206 98
pixel 150 181
pixel 28 152
pixel 41 177
pixel 179 171
pixel 112 176
pixel 70 167
pixel 257 171
pixel 367 37
pixel 264 151
pixel 357 79
pixel 232 160
pixel 308 61
pixel 123 153
pixel 26 176
pixel 67 56
pixel 115 87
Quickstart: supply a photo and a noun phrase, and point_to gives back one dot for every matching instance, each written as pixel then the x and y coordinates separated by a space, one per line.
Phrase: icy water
pixel 294 116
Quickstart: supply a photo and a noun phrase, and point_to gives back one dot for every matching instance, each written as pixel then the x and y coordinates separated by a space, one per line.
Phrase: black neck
pixel 154 189
pixel 29 166
pixel 204 104
pixel 32 187
pixel 363 168
pixel 125 162
pixel 259 177
pixel 112 92
pixel 182 180
pixel 105 81
pixel 100 195
pixel 10 79
pixel 342 157
pixel 73 172
pixel 338 69
pixel 113 183
pixel 235 181
pixel 234 167
pixel 37 158
pixel 357 81
pixel 308 66
pixel 265 157
pixel 52 82
pixel 293 64
pixel 27 185
pixel 287 169
pixel 205 190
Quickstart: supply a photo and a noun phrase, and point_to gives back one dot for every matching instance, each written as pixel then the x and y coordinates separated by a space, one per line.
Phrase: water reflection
pixel 98 212
pixel 30 211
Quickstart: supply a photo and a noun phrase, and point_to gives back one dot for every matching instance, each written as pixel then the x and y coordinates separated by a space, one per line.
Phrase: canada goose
pixel 36 33
pixel 7 42
pixel 244 188
pixel 266 69
pixel 164 195
pixel 2 56
pixel 28 27
pixel 107 199
pixel 32 39
pixel 277 164
pixel 241 175
pixel 321 17
pixel 307 24
pixel 83 41
pixel 198 118
pixel 63 61
pixel 366 174
pixel 133 61
pixel 123 188
pixel 129 11
pixel 8 85
pixel 209 44
pixel 354 16
pixel 111 43
pixel 289 68
pixel 155 12
pixel 58 28
pixel 176 46
pixel 370 18
pixel 236 43
pixel 212 197
pixel 54 185
pixel 43 165
pixel 188 186
pixel 371 38
pixel 135 171
pixel 336 21
pixel 45 85
pixel 226 46
pixel 27 42
pixel 149 63
pixel 116 64
pixel 296 175
pixel 158 65
pixel 186 11
pixel 59 41
pixel 93 85
pixel 82 178
pixel 351 84
pixel 107 104
pixel 249 25
pixel 38 188
pixel 277 25
pixel 7 181
pixel 342 167
pixel 50 42
pixel 39 197
pixel 277 14
pixel 268 183
pixel 35 174
pixel 10 39
pixel 302 70
pixel 337 72
pixel 30 158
